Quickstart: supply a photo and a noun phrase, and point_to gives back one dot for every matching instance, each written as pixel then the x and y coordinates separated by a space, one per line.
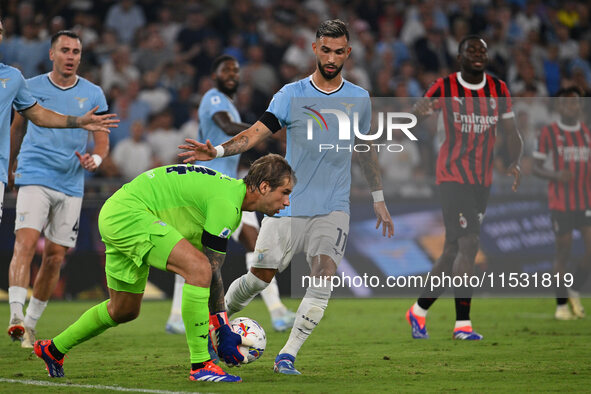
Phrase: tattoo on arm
pixel 216 289
pixel 371 169
pixel 72 122
pixel 236 145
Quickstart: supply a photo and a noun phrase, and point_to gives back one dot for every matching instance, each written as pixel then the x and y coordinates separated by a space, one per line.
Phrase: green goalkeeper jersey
pixel 202 204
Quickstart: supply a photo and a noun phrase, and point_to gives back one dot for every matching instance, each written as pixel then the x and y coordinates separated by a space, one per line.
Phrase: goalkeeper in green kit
pixel 176 218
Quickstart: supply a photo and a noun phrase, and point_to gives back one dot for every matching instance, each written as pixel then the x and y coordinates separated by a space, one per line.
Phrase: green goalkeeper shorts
pixel 134 240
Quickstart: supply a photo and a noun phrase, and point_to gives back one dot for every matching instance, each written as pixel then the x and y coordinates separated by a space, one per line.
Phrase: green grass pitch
pixel 360 346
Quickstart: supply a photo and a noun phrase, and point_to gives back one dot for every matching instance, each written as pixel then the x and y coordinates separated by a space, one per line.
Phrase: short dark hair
pixel 332 28
pixel 468 38
pixel 568 90
pixel 68 33
pixel 219 60
pixel 271 168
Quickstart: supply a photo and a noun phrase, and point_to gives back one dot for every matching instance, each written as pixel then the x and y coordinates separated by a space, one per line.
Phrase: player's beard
pixel 227 91
pixel 326 76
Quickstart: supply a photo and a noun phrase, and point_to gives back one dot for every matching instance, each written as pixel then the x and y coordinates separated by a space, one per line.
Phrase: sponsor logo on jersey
pixel 3 82
pixel 225 233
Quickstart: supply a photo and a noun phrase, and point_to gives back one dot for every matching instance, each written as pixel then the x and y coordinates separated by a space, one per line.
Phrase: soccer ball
pixel 249 328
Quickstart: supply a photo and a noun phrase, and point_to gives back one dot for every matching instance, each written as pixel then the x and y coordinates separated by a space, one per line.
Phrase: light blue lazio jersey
pixel 47 156
pixel 13 92
pixel 213 102
pixel 321 131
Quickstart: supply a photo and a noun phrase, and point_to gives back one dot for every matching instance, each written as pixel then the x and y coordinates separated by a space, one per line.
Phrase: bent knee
pixel 125 316
pixel 469 244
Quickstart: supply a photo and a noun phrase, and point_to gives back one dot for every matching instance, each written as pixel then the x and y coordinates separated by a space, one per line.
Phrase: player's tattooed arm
pixel 216 289
pixel 246 140
pixel 371 168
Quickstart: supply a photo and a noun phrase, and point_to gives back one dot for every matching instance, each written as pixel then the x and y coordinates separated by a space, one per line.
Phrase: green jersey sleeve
pixel 222 219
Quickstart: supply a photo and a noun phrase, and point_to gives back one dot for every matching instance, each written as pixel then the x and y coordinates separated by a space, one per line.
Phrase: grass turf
pixel 360 346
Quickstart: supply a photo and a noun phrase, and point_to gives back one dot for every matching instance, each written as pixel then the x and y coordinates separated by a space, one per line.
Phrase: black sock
pixel 463 308
pixel 54 352
pixel 196 366
pixel 426 303
pixel 561 301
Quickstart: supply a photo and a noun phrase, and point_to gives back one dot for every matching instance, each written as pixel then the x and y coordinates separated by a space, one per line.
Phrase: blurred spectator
pixel 527 81
pixel 581 62
pixel 153 52
pixel 129 109
pixel 164 138
pixel 125 18
pixel 106 46
pixel 552 73
pixel 168 27
pixel 10 41
pixel 259 73
pixel 181 106
pixel 118 70
pixel 431 52
pixel 190 129
pixel 134 155
pixel 30 52
pixel 568 48
pixel 154 95
pixel 190 38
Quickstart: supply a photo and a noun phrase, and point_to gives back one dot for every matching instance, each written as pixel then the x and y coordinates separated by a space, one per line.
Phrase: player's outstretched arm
pixel 44 117
pixel 240 143
pixel 225 341
pixel 371 170
pixel 18 130
pixel 515 147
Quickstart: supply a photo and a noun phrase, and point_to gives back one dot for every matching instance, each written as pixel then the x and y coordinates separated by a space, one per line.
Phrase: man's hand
pixel 197 151
pixel 97 123
pixel 423 107
pixel 87 161
pixel 565 176
pixel 225 341
pixel 515 171
pixel 384 218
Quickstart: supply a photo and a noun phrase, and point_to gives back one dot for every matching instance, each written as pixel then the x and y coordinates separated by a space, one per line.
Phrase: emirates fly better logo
pixel 347 120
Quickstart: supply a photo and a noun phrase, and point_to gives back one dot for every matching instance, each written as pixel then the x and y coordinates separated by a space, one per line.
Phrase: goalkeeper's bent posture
pixel 176 218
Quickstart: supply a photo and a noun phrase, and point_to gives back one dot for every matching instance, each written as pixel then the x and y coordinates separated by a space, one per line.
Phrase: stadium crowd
pixel 153 59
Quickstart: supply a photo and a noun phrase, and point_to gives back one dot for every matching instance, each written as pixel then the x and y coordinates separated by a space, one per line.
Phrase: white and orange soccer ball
pixel 252 330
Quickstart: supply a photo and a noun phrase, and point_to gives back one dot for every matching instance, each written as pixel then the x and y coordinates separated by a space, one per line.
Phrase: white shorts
pixel 49 211
pixel 249 218
pixel 283 237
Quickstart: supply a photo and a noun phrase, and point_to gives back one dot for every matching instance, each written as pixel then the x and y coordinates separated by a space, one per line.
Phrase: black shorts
pixel 564 222
pixel 463 208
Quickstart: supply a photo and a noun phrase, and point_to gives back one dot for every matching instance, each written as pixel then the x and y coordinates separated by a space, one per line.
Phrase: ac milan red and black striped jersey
pixel 470 113
pixel 567 148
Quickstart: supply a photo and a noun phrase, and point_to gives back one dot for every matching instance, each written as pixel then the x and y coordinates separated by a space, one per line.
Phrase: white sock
pixel 417 310
pixel 308 316
pixel 242 291
pixel 177 299
pixel 34 312
pixel 270 295
pixel 16 298
pixel 463 323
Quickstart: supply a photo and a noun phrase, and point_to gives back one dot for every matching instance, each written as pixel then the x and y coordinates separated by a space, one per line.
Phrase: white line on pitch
pixel 85 386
